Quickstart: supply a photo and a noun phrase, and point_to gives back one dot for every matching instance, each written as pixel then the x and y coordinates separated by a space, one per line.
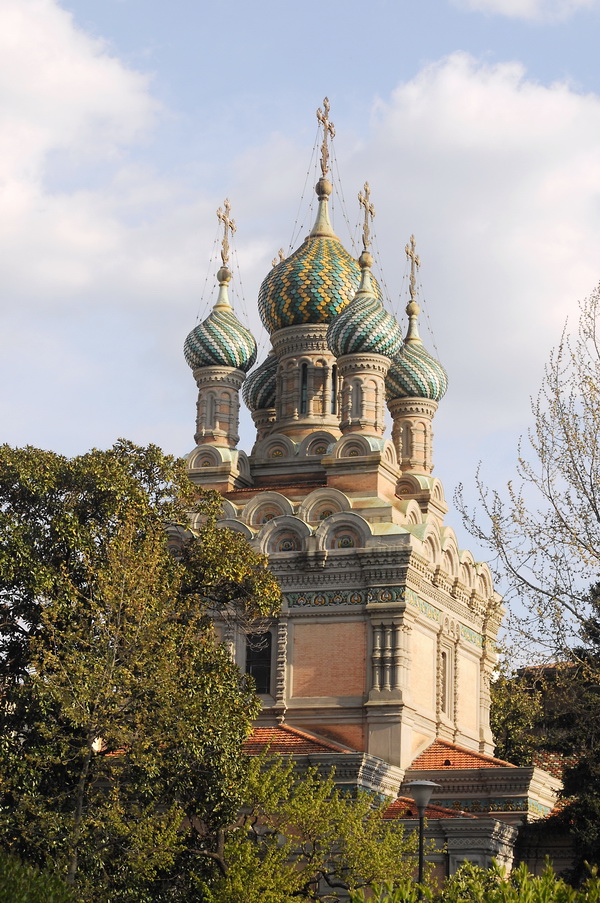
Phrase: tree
pixel 301 839
pixel 21 883
pixel 122 717
pixel 516 712
pixel 472 883
pixel 545 533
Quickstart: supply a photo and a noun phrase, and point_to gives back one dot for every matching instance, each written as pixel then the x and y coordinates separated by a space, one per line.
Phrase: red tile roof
pixel 405 807
pixel 442 754
pixel 553 762
pixel 285 740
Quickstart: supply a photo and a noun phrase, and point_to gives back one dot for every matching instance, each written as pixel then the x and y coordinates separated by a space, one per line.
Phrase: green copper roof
pixel 414 373
pixel 220 340
pixel 313 285
pixel 365 326
pixel 258 390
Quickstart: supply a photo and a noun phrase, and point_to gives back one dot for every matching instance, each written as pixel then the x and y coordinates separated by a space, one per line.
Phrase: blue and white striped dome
pixel 414 373
pixel 221 340
pixel 259 388
pixel 365 326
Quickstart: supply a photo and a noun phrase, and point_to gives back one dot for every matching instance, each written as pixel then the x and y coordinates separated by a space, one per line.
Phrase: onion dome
pixel 221 340
pixel 365 326
pixel 414 373
pixel 258 390
pixel 316 282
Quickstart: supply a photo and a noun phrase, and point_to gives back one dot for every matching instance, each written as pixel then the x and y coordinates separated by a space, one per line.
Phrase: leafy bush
pixel 472 884
pixel 20 883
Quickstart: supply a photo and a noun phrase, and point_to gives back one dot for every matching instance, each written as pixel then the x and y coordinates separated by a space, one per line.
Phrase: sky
pixel 124 124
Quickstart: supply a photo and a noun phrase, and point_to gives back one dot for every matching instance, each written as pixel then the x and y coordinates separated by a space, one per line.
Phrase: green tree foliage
pixel 22 883
pixel 543 533
pixel 300 839
pixel 472 884
pixel 575 732
pixel 122 717
pixel 516 713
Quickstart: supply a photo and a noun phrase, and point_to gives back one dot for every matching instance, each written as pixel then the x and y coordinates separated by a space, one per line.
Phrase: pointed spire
pixel 324 187
pixel 412 308
pixel 224 274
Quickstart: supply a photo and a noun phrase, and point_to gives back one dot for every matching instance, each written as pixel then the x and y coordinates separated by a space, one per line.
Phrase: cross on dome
pixel 228 226
pixel 328 131
pixel 415 263
pixel 363 200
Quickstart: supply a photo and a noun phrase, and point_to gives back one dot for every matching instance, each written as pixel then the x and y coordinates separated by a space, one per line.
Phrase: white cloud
pixel 552 10
pixel 497 175
pixel 499 178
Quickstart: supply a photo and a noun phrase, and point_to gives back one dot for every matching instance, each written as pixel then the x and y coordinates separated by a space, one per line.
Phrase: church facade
pixel 385 644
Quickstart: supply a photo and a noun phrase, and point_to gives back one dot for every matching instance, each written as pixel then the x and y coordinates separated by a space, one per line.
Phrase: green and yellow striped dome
pixel 316 282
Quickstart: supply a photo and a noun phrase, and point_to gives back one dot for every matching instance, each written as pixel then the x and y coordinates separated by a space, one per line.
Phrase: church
pixel 381 658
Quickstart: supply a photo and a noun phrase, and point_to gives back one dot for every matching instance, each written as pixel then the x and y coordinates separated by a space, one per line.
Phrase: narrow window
pixel 304 389
pixel 444 682
pixel 334 389
pixel 356 400
pixel 211 414
pixel 258 660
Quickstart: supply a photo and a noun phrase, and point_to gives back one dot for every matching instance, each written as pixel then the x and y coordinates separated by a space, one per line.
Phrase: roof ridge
pixel 330 745
pixel 338 747
pixel 463 751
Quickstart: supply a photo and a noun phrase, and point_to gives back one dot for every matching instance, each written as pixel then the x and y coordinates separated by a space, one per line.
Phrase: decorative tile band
pixel 430 611
pixel 471 636
pixel 383 595
pixel 387 594
pixel 501 804
pixel 325 599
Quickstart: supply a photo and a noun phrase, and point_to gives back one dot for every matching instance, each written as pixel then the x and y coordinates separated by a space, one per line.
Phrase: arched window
pixel 304 389
pixel 259 648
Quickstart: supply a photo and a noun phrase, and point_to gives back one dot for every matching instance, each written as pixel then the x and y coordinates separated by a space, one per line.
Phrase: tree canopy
pixel 122 717
pixel 301 839
pixel 472 883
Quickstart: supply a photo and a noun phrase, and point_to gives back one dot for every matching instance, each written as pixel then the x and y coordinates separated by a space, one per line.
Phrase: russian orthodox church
pixel 381 658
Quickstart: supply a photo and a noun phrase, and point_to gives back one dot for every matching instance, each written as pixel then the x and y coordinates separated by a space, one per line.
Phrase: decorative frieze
pixel 496 804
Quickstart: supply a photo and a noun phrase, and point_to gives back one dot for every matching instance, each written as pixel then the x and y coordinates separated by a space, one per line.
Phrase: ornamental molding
pixel 412 407
pixel 303 339
pixel 365 362
pixel 230 376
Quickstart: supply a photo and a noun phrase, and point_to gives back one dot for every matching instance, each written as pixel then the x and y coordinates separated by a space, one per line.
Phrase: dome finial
pixel 366 260
pixel 328 132
pixel 324 187
pixel 224 274
pixel 412 308
pixel 228 226
pixel 363 200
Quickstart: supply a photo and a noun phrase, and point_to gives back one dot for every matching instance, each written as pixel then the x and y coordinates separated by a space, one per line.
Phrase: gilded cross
pixel 328 131
pixel 228 226
pixel 363 200
pixel 415 263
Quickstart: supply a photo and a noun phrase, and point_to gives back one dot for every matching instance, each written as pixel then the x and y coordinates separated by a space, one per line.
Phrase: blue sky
pixel 125 123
